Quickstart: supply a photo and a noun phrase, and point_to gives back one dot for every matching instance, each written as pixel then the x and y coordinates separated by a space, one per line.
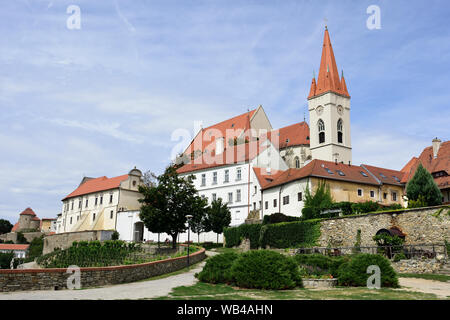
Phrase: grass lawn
pixel 427 276
pixel 205 291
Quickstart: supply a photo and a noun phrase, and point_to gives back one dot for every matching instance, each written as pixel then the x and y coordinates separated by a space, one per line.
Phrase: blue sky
pixel 107 97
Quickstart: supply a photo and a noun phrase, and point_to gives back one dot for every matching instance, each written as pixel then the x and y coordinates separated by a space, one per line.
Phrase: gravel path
pixel 441 289
pixel 134 290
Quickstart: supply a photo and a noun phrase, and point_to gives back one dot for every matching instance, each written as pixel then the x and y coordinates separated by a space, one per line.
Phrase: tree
pixel 5 226
pixel 21 238
pixel 165 205
pixel 314 204
pixel 219 217
pixel 199 221
pixel 422 184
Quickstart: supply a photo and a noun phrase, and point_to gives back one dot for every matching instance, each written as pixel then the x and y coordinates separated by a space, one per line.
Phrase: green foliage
pixel 447 245
pixel 344 206
pixel 218 268
pixel 199 222
pixel 314 204
pixel 278 217
pixel 218 217
pixel 290 234
pixel 419 203
pixel 364 207
pixel 166 204
pixel 5 259
pixel 264 269
pixel 318 264
pixel 235 235
pixel 354 273
pixel 423 184
pixel 115 235
pixel 21 238
pixel 35 248
pixel 90 254
pixel 357 246
pixel 5 226
pixel 399 256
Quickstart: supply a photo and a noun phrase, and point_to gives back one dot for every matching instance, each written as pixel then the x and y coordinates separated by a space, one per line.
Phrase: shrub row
pixel 318 264
pixel 290 234
pixel 235 235
pixel 259 269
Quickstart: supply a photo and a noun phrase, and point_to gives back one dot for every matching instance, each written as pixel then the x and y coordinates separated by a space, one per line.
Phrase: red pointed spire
pixel 312 92
pixel 328 79
pixel 344 85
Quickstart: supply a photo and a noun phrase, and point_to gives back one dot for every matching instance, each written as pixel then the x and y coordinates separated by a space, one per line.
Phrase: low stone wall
pixel 417 266
pixel 56 278
pixel 420 225
pixel 319 283
pixel 12 236
pixel 65 240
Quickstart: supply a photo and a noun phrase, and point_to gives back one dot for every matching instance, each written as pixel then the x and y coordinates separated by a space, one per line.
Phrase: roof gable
pixel 96 185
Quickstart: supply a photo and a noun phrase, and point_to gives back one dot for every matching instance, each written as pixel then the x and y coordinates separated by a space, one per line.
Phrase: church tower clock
pixel 329 111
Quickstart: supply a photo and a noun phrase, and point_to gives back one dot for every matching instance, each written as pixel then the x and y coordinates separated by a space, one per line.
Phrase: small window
pixel 360 192
pixel 339 131
pixel 364 174
pixel 70 220
pixel 72 206
pixel 299 196
pixel 79 204
pixel 111 198
pixel 87 202
pixel 134 183
pixel 227 175
pixel 285 200
pixel 394 196
pixel 230 197
pixel 214 197
pixel 396 179
pixel 274 203
pixel 96 200
pixel 203 179
pixel 266 205
pixel 111 215
pixel 238 195
pixel 385 195
pixel 101 199
pixel 372 194
pixel 214 177
pixel 93 216
pixel 297 162
pixel 238 174
pixel 256 190
pixel 382 175
pixel 321 127
pixel 340 173
pixel 329 171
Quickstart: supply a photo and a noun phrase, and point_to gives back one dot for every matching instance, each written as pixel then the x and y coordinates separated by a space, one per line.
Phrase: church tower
pixel 329 111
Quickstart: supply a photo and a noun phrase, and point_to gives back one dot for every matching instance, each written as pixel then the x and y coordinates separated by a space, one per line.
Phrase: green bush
pixel 279 217
pixel 35 248
pixel 235 235
pixel 290 234
pixel 115 235
pixel 21 238
pixel 364 207
pixel 354 273
pixel 218 268
pixel 264 269
pixel 318 264
pixel 5 259
pixel 399 256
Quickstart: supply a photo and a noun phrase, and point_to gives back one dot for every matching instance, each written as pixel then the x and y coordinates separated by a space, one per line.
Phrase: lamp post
pixel 189 217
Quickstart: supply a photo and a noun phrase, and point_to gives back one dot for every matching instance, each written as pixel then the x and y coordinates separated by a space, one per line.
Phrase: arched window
pixel 339 131
pixel 321 127
pixel 297 162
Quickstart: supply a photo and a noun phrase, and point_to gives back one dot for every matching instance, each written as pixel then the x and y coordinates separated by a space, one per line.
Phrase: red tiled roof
pixel 292 135
pixel 36 219
pixel 96 185
pixel 28 211
pixel 328 79
pixel 426 158
pixel 265 177
pixel 318 168
pixel 16 226
pixel 389 176
pixel 204 141
pixel 6 246
pixel 231 155
pixel 48 219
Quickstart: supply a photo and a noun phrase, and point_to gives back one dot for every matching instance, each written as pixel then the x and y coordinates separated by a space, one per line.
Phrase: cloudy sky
pixel 104 98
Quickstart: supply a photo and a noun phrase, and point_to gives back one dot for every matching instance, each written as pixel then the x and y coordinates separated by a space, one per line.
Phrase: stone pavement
pixel 439 288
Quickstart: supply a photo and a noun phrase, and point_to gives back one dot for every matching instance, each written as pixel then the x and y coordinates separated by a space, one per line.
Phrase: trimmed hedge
pixel 235 235
pixel 279 217
pixel 218 268
pixel 290 234
pixel 265 269
pixel 354 273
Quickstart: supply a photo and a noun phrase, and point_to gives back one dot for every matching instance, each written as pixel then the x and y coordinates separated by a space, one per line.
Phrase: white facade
pixel 330 108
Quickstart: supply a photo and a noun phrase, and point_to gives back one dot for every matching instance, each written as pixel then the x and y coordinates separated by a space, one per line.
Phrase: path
pixel 441 289
pixel 134 290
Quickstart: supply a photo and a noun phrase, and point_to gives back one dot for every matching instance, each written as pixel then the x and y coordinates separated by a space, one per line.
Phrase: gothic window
pixel 297 162
pixel 321 127
pixel 339 131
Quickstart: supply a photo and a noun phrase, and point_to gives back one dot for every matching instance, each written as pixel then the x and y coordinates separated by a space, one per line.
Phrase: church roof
pixel 293 135
pixel 328 79
pixel 96 185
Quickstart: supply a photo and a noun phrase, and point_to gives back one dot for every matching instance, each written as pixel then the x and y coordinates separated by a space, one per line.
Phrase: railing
pixel 429 251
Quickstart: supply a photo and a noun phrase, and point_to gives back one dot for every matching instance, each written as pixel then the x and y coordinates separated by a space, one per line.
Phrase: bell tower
pixel 329 110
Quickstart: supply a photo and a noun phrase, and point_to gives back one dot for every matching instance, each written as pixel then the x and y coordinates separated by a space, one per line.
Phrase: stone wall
pixel 12 236
pixel 65 240
pixel 421 225
pixel 56 279
pixel 417 266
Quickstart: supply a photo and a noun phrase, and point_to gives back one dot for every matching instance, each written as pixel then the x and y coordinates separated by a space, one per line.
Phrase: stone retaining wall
pixel 417 266
pixel 319 283
pixel 65 240
pixel 421 225
pixel 56 278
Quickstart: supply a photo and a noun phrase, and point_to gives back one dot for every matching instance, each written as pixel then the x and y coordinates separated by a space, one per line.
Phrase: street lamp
pixel 189 217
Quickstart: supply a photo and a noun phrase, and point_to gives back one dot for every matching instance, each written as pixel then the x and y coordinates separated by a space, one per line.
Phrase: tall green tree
pixel 199 221
pixel 166 204
pixel 422 185
pixel 315 203
pixel 219 217
pixel 5 226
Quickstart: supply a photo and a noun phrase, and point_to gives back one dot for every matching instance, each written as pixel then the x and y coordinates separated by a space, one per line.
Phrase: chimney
pixel 436 145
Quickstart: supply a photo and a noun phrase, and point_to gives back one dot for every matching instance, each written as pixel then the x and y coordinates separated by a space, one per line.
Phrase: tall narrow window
pixel 238 195
pixel 321 127
pixel 227 176
pixel 339 131
pixel 203 179
pixel 297 162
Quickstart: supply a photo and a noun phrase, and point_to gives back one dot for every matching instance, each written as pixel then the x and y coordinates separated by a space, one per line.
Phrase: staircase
pixel 445 269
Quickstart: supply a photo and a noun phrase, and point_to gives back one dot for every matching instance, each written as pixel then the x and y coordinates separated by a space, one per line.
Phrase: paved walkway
pixel 134 290
pixel 441 289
